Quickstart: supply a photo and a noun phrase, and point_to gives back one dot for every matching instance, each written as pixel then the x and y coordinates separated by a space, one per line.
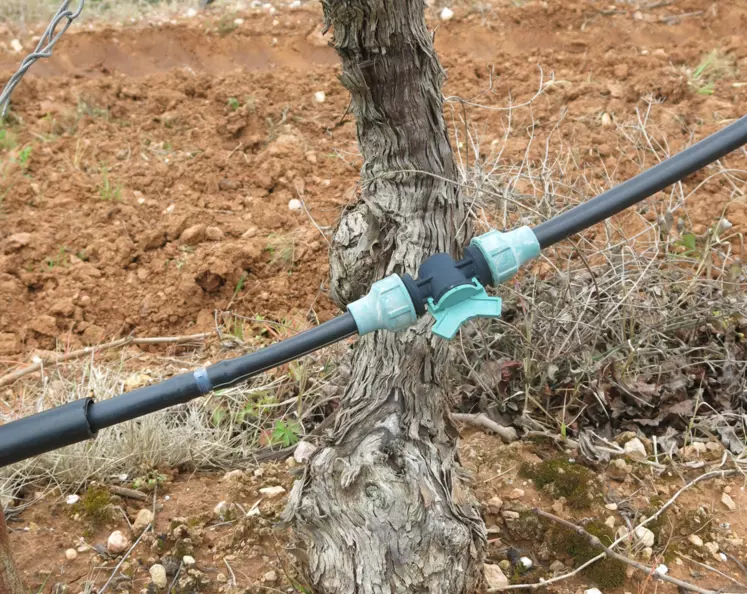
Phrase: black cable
pixel 643 185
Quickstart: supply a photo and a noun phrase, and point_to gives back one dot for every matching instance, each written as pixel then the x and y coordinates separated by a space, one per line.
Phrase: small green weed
pixel 286 433
pixel 233 103
pixel 712 68
pixel 58 259
pixel 24 156
pixel 107 190
pixel 8 140
pixel 226 25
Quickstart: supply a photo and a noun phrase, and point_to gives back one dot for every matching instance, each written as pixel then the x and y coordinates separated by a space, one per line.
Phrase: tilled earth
pixel 148 178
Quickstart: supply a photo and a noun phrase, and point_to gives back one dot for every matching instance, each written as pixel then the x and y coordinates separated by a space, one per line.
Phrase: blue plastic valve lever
pixel 461 304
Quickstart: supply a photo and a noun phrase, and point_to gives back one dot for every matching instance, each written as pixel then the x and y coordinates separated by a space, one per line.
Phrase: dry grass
pixel 636 325
pixel 23 14
pixel 226 429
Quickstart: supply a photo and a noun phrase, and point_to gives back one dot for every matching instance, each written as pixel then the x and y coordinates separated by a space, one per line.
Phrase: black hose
pixel 80 420
pixel 182 388
pixel 643 185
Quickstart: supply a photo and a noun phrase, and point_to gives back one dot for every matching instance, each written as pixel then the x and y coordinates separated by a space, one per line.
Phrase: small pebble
pixel 188 561
pixel 271 492
pixel 695 540
pixel 447 14
pixel 16 46
pixel 662 569
pixel 191 13
pixel 117 543
pixel 320 96
pixel 72 499
pixel 71 554
pixel 526 562
pixel 295 204
pixel 728 501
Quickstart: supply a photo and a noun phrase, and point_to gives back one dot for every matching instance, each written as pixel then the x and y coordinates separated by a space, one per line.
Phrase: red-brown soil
pixel 163 158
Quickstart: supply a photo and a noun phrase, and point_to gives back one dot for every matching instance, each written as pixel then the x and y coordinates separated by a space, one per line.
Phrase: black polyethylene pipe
pixel 182 388
pixel 80 420
pixel 46 431
pixel 643 185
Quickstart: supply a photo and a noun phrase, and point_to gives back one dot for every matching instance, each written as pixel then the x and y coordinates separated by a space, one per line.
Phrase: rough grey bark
pixel 384 507
pixel 10 581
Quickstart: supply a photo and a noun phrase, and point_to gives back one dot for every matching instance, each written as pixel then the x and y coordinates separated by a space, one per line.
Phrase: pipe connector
pixel 506 252
pixel 387 306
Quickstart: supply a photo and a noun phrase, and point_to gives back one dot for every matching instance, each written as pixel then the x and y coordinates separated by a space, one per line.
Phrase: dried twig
pixel 128 493
pixel 661 510
pixel 52 361
pixel 713 569
pixel 595 542
pixel 507 434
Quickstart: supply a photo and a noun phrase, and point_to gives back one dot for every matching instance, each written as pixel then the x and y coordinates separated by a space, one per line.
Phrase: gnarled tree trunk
pixel 384 507
pixel 10 581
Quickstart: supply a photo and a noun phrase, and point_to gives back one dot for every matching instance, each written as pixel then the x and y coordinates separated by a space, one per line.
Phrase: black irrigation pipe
pixel 644 185
pixel 82 419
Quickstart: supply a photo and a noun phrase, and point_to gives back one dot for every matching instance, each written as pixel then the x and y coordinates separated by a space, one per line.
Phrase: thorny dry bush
pixel 636 325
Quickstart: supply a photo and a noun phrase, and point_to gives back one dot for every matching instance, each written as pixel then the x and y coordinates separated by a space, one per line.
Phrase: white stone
pixel 611 506
pixel 71 554
pixel 158 576
pixel 188 561
pixel 303 451
pixel 635 449
pixel 606 120
pixel 695 540
pixel 320 96
pixel 526 562
pixel 238 22
pixel 495 578
pixel 645 536
pixel 191 13
pixel 72 499
pixel 271 492
pixel 610 521
pixel 495 504
pixel 662 569
pixel 16 46
pixel 117 543
pixel 593 591
pixel 447 14
pixel 295 204
pixel 728 501
pixel 221 510
pixel 723 557
pixel 143 519
pixel 712 547
pixel 270 577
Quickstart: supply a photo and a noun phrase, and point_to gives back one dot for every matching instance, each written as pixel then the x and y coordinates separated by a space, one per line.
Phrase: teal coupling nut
pixel 387 306
pixel 506 252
